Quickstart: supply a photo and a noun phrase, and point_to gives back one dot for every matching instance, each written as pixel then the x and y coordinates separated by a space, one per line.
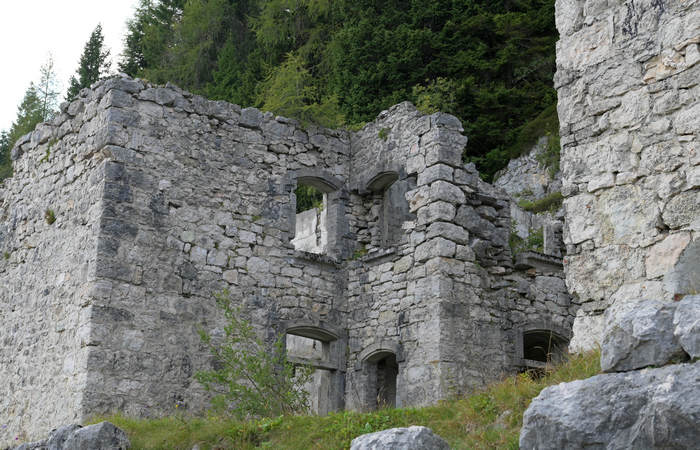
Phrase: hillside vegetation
pixel 341 62
pixel 338 63
pixel 488 419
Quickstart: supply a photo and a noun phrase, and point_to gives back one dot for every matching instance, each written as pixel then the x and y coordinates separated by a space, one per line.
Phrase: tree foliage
pixel 94 64
pixel 39 104
pixel 251 378
pixel 5 163
pixel 341 62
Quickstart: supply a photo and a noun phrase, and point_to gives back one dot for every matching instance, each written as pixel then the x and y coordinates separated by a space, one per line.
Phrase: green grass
pixel 550 203
pixel 488 419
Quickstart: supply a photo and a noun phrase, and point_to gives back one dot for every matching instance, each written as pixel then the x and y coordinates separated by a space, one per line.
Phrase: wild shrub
pixel 251 379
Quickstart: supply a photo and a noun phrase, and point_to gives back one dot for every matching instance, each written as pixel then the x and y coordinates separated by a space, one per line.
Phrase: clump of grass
pixel 490 418
pixel 360 252
pixel 550 157
pixel 6 255
pixel 50 216
pixel 384 133
pixel 550 203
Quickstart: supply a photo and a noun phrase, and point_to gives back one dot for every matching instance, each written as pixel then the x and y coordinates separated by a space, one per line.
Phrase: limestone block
pixel 448 192
pixel 434 173
pixel 639 333
pixel 650 408
pixel 581 224
pixel 686 323
pixel 101 436
pixel 403 264
pixel 682 209
pixel 600 182
pixel 435 247
pixel 448 230
pixel 684 278
pixel 411 438
pixel 436 211
pixel 58 437
pixel 664 255
pixel 569 16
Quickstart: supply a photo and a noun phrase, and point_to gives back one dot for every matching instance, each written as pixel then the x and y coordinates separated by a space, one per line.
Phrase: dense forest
pixel 340 62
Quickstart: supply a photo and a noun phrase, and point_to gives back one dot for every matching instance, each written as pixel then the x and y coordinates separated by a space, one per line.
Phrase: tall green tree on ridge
pixel 5 163
pixel 94 64
pixel 29 113
pixel 39 104
pixel 150 34
pixel 47 90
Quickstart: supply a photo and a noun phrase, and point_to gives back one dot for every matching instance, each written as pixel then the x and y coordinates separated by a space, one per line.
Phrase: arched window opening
pixel 311 224
pixel 389 208
pixel 542 347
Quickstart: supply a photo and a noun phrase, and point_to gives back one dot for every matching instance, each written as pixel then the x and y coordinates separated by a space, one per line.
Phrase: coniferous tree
pixel 29 114
pixel 149 35
pixel 94 64
pixel 47 90
pixel 5 163
pixel 490 63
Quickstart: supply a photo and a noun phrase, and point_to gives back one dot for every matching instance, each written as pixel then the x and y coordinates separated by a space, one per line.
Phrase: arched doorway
pixel 382 371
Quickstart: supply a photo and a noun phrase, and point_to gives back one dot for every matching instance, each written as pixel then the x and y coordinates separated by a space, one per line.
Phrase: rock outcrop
pixel 640 333
pixel 656 407
pixel 628 82
pixel 411 438
pixel 650 408
pixel 100 436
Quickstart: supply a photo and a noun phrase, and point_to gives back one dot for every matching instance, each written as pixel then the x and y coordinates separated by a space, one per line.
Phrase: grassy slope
pixel 488 419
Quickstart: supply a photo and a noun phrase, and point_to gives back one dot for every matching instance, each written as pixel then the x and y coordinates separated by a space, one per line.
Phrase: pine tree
pixel 47 90
pixel 5 163
pixel 29 114
pixel 94 64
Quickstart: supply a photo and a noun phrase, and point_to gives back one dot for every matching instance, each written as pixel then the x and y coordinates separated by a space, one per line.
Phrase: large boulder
pixel 58 437
pixel 686 323
pixel 637 334
pixel 101 436
pixel 411 438
pixel 650 408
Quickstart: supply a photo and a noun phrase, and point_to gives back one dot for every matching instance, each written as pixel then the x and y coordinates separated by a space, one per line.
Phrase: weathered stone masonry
pixel 162 198
pixel 629 108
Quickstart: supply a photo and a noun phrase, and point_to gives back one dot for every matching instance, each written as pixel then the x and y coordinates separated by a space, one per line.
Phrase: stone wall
pixel 163 199
pixel 629 109
pixel 48 226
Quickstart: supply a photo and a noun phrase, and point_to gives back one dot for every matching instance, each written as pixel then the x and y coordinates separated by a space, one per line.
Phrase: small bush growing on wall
pixel 252 379
pixel 50 216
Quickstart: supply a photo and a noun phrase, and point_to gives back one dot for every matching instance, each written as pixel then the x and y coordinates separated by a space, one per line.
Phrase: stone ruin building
pixel 138 203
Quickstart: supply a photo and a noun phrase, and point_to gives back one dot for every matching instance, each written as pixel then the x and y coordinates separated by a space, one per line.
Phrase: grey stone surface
pixel 58 437
pixel 650 408
pixel 410 438
pixel 163 198
pixel 628 92
pixel 639 333
pixel 525 177
pixel 686 325
pixel 100 436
